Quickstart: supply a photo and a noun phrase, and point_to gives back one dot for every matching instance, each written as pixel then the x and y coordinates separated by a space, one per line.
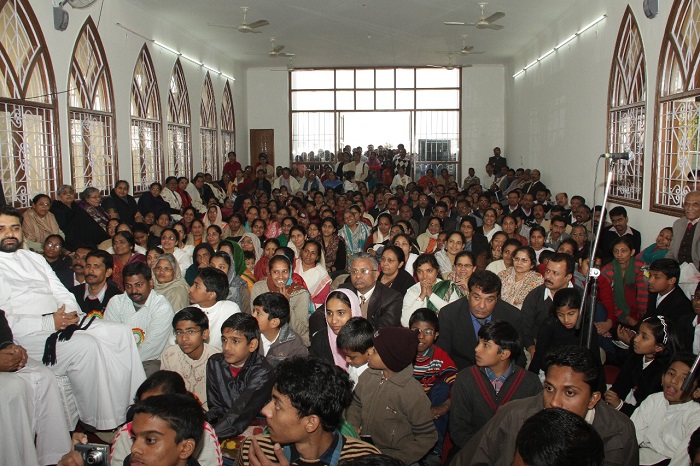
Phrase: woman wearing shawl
pixel 425 292
pixel 89 226
pixel 313 272
pixel 168 282
pixel 123 244
pixel 521 278
pixel 250 242
pixel 120 204
pixel 626 277
pixel 427 241
pixel 237 287
pixel 213 217
pixel 181 189
pixel 261 268
pixel 341 305
pixel 38 223
pixel 279 279
pixel 333 245
pixel 380 234
pixel 354 233
pixel 169 241
pixel 655 251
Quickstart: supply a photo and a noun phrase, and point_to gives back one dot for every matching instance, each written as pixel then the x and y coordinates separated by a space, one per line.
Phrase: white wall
pixel 556 112
pixel 268 108
pixel 122 49
pixel 483 116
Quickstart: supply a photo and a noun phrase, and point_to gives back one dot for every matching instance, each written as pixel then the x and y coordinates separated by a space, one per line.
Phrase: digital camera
pixel 93 454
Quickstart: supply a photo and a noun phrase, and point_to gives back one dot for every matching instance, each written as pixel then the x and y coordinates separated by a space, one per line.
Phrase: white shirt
pixel 548 292
pixel 663 429
pixel 412 301
pixel 217 314
pixel 366 295
pixel 29 289
pixel 151 324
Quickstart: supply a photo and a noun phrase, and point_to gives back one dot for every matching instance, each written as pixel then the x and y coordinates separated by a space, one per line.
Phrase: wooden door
pixel 262 140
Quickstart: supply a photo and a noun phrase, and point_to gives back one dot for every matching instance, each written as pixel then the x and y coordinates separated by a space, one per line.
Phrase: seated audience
pixel 208 293
pixel 354 341
pixel 39 222
pixel 518 280
pixel 278 340
pixel 94 295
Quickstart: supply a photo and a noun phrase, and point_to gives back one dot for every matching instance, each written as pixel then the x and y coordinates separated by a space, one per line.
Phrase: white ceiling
pixel 337 33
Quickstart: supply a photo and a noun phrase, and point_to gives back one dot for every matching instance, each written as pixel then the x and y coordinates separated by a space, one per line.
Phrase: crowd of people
pixel 364 315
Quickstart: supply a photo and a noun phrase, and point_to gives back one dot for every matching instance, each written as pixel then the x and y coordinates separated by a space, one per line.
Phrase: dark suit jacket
pixel 384 307
pixel 679 227
pixel 686 332
pixel 86 306
pixel 498 162
pixel 532 187
pixel 418 216
pixel 674 306
pixel 607 238
pixel 457 336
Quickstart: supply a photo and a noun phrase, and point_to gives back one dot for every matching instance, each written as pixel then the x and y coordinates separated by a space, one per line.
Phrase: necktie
pixel 363 305
pixel 482 322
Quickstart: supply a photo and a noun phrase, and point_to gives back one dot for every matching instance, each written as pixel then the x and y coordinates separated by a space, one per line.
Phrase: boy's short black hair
pixel 668 267
pixel 165 381
pixel 556 436
pixel 580 359
pixel 315 387
pixel 182 413
pixel 275 305
pixel 546 256
pixel 424 315
pixel 248 255
pixel 106 257
pixel 137 268
pixel 243 323
pixel 504 335
pixel 356 335
pixel 193 314
pixel 214 280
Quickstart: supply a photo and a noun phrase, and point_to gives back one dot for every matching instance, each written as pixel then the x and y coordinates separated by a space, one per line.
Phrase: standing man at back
pixel 685 245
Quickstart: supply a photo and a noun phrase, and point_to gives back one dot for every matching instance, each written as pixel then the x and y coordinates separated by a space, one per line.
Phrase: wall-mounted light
pixel 560 45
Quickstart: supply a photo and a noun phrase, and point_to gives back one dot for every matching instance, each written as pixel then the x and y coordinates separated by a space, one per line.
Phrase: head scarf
pixel 256 244
pixel 234 283
pixel 292 287
pixel 175 291
pixel 355 311
pixel 218 221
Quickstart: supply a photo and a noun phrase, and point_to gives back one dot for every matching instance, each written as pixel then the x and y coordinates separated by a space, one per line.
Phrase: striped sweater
pixel 434 366
pixel 351 449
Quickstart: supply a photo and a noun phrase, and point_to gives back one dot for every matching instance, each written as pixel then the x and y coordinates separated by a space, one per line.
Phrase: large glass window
pixel 90 100
pixel 677 159
pixel 146 150
pixel 29 144
pixel 179 125
pixel 322 99
pixel 208 130
pixel 228 122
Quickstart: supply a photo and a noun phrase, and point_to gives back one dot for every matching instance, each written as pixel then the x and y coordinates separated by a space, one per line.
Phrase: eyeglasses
pixel 696 297
pixel 42 204
pixel 189 332
pixel 169 238
pixel 361 271
pixel 466 266
pixel 428 332
pixel 54 245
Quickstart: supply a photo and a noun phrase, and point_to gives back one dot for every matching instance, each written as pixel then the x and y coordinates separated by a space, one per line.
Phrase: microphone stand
pixel 590 290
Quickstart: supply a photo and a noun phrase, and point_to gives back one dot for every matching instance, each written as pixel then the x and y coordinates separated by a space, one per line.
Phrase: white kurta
pixel 217 315
pixel 102 363
pixel 663 430
pixel 151 325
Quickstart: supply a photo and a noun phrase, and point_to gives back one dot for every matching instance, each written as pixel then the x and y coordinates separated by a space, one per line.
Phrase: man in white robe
pixel 30 405
pixel 101 363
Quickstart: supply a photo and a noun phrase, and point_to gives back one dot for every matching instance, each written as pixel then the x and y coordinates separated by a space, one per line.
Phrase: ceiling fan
pixel 484 22
pixel 467 49
pixel 276 50
pixel 246 27
pixel 450 65
pixel 290 67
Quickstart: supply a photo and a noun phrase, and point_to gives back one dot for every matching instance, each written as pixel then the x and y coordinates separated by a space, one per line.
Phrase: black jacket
pixel 126 209
pixel 634 378
pixel 674 307
pixel 87 306
pixel 321 346
pixel 235 401
pixel 402 282
pixel 457 335
pixel 384 307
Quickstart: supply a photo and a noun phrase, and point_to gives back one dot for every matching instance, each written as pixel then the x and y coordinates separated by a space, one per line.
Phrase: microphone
pixel 629 156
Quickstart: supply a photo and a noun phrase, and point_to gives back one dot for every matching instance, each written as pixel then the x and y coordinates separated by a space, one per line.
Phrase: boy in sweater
pixel 435 370
pixel 388 404
pixel 277 339
pixel 480 390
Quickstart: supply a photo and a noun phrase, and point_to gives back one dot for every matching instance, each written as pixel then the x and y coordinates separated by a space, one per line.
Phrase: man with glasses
pixel 148 313
pixel 380 304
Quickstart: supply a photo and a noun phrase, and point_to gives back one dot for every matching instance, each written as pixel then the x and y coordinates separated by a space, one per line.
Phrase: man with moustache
pixel 75 275
pixel 98 359
pixel 148 313
pixel 93 295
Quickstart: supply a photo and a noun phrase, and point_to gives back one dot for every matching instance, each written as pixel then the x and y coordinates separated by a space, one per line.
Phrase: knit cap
pixel 396 346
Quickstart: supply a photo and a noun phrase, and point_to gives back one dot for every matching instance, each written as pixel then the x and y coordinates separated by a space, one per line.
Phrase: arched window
pixel 179 129
pixel 91 114
pixel 228 122
pixel 146 150
pixel 29 145
pixel 677 156
pixel 207 131
pixel 626 111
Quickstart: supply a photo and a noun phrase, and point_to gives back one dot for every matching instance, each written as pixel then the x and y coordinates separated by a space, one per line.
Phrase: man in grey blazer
pixel 678 250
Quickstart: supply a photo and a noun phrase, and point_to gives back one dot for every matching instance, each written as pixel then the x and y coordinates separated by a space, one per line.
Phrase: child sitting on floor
pixel 354 343
pixel 279 342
